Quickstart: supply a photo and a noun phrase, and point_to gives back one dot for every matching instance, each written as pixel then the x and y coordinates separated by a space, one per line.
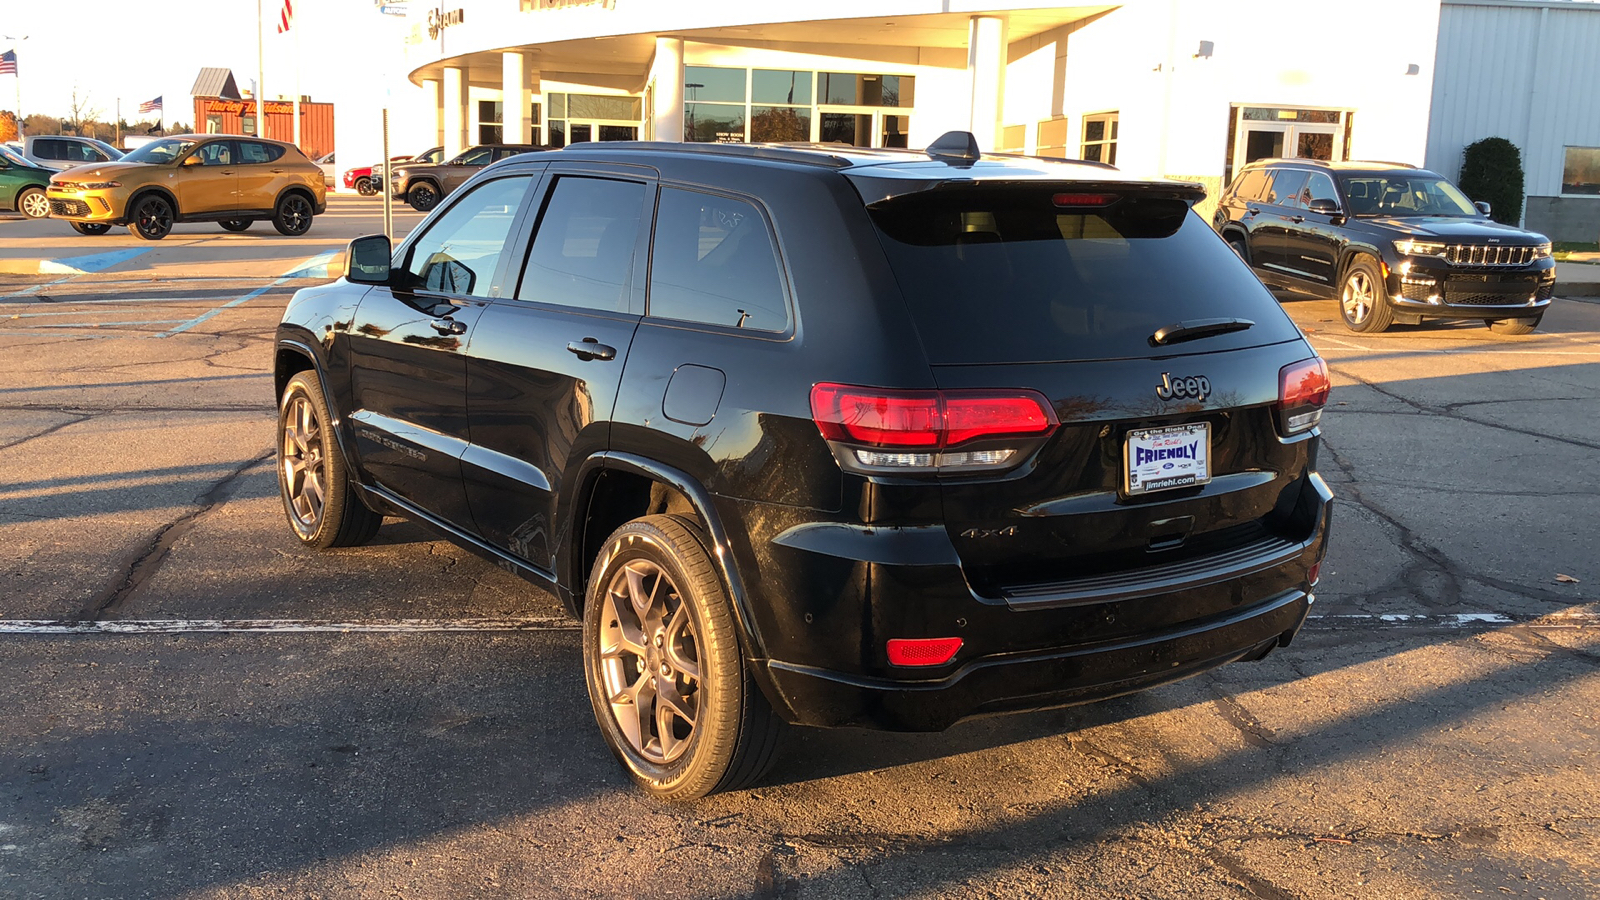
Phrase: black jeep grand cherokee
pixel 826 436
pixel 1390 242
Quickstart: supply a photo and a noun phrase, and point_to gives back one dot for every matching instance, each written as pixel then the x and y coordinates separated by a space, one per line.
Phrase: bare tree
pixel 82 111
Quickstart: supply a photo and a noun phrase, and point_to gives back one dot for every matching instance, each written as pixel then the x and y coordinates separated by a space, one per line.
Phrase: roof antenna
pixel 954 148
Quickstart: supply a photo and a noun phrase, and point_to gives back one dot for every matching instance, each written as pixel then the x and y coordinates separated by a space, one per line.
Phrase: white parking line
pixel 1569 619
pixel 302 626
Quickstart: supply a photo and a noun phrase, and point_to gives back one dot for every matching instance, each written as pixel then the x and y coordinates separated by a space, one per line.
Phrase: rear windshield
pixel 1007 276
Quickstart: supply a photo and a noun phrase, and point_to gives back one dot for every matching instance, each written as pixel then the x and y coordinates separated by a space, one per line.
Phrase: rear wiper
pixel 1190 329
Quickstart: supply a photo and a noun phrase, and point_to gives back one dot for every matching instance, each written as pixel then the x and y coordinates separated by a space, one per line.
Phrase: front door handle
pixel 448 325
pixel 1297 219
pixel 591 348
pixel 1252 211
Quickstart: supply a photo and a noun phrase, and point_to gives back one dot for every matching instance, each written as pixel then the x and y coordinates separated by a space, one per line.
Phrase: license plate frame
pixel 1187 464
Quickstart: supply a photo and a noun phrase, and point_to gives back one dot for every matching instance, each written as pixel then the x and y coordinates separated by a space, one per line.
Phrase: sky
pixel 111 49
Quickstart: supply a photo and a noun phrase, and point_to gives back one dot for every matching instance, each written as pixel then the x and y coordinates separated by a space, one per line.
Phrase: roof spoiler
pixel 955 148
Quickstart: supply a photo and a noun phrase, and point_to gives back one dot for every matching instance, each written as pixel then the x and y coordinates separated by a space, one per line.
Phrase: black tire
pixel 151 217
pixel 423 196
pixel 321 504
pixel 32 203
pixel 364 187
pixel 1362 301
pixel 293 215
pixel 1516 326
pixel 1240 248
pixel 90 228
pixel 734 737
pixel 235 225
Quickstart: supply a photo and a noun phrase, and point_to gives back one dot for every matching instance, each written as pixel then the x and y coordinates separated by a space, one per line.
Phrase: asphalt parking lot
pixel 196 707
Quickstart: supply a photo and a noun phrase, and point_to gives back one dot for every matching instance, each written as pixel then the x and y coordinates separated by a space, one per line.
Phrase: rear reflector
pixel 1302 392
pixel 1314 574
pixel 923 651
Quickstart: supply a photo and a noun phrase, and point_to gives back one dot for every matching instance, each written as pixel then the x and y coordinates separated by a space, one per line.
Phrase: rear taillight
pixel 878 430
pixel 1302 392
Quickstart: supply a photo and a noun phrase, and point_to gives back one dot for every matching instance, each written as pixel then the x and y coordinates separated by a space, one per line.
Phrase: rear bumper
pixel 1039 680
pixel 1064 644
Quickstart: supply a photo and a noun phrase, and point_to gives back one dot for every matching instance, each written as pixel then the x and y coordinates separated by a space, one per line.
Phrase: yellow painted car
pixel 232 180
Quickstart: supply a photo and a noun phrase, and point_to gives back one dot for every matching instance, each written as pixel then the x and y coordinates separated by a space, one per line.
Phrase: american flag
pixel 150 106
pixel 8 62
pixel 286 17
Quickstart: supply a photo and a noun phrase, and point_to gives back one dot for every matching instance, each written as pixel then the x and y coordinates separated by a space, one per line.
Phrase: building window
pixel 576 118
pixel 1013 139
pixel 1100 138
pixel 490 121
pixel 1581 174
pixel 737 105
pixel 535 128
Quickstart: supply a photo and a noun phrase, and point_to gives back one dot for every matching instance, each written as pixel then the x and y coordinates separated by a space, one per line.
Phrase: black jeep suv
pixel 822 435
pixel 1390 242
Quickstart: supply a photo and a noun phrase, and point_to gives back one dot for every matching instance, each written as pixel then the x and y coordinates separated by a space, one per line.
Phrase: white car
pixel 329 173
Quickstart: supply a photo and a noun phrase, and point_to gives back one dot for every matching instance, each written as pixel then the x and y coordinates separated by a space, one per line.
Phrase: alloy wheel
pixel 35 205
pixel 304 466
pixel 650 661
pixel 154 219
pixel 1357 298
pixel 295 214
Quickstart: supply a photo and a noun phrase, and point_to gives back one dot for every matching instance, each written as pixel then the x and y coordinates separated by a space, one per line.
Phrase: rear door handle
pixel 448 325
pixel 591 348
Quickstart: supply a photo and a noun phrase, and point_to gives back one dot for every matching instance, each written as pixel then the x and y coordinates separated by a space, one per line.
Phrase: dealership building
pixel 1188 89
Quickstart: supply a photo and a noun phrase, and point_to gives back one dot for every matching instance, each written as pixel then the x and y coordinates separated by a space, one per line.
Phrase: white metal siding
pixel 1524 71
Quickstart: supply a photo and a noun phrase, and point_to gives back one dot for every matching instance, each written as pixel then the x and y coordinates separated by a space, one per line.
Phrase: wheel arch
pixel 614 488
pixel 300 189
pixel 136 196
pixel 290 358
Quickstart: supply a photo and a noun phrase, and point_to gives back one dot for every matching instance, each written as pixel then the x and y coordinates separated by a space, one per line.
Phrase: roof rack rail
pixel 805 154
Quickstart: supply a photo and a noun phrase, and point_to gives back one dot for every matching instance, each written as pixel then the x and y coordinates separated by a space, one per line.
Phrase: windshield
pixel 1405 195
pixel 15 158
pixel 1007 276
pixel 110 151
pixel 159 152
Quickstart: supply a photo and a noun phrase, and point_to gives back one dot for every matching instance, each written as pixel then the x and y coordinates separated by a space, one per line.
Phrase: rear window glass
pixel 1251 185
pixel 254 152
pixel 1005 276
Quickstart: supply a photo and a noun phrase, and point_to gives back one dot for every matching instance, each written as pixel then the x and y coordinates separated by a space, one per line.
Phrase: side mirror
pixel 192 161
pixel 367 260
pixel 458 162
pixel 1483 206
pixel 1324 206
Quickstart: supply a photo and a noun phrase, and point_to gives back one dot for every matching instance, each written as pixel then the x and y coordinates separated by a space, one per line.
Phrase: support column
pixel 455 117
pixel 667 97
pixel 435 110
pixel 516 96
pixel 986 69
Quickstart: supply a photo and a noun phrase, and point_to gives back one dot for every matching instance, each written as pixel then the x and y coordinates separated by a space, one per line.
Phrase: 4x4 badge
pixel 1195 387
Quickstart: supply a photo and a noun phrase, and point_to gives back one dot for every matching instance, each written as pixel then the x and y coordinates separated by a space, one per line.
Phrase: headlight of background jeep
pixel 1410 247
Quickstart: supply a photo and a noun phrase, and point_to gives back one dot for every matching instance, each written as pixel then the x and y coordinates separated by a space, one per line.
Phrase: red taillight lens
pixel 923 651
pixel 881 430
pixel 1314 574
pixel 1302 392
pixel 877 418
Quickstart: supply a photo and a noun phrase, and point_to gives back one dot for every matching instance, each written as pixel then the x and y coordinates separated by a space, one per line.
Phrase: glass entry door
pixel 862 127
pixel 1268 132
pixel 581 131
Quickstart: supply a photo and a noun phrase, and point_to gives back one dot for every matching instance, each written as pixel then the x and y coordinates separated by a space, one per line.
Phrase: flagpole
pixel 297 94
pixel 261 79
pixel 119 121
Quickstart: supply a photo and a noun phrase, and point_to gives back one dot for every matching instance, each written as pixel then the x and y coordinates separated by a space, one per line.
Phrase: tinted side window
pixel 217 153
pixel 582 252
pixel 1320 187
pixel 482 156
pixel 257 152
pixel 49 149
pixel 1286 187
pixel 461 249
pixel 714 263
pixel 1252 185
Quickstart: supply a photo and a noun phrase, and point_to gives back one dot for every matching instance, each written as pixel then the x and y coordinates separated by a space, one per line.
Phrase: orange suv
pixel 228 179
